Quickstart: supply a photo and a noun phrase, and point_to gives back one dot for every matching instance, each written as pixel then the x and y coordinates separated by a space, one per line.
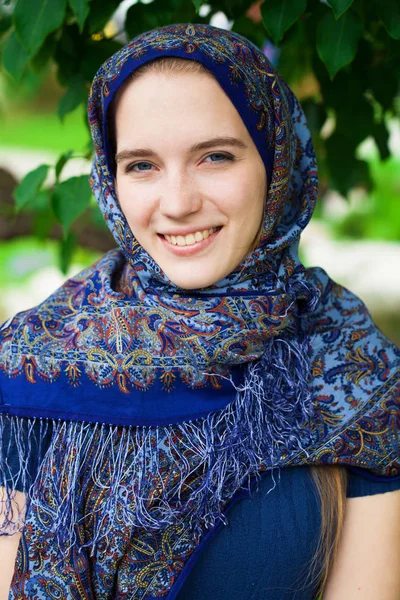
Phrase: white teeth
pixel 191 238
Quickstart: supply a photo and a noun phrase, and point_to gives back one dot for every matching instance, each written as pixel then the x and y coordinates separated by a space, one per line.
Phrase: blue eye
pixel 221 158
pixel 143 162
pixel 221 155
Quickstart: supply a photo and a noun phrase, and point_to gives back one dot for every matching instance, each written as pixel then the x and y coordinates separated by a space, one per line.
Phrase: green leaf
pixel 100 13
pixel 35 20
pixel 142 17
pixel 354 112
pixel 383 82
pixel 184 13
pixel 96 217
pixel 197 4
pixel 381 137
pixel 66 251
pixel 81 11
pixel 279 15
pixel 235 8
pixel 296 53
pixel 68 53
pixel 389 12
pixel 75 94
pixel 255 32
pixel 316 115
pixel 28 189
pixel 46 52
pixel 62 161
pixel 337 40
pixel 41 201
pixel 5 23
pixel 15 57
pixel 70 200
pixel 345 169
pixel 43 219
pixel 339 6
pixel 95 54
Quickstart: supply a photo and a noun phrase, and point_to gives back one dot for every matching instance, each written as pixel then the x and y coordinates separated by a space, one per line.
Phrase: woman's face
pixel 194 202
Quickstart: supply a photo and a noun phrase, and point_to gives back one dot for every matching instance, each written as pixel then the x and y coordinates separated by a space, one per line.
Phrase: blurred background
pixel 342 59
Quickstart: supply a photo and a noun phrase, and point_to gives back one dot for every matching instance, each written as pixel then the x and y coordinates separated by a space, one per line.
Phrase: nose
pixel 180 196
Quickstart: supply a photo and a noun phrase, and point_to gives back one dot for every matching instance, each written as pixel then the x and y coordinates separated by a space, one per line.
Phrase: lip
pixel 189 250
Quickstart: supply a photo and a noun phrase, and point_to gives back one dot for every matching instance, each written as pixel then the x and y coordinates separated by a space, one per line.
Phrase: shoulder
pixel 355 383
pixel 351 359
pixel 361 482
pixel 367 559
pixel 341 320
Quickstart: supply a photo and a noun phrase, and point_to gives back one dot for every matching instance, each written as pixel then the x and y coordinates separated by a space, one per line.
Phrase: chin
pixel 192 280
pixel 193 284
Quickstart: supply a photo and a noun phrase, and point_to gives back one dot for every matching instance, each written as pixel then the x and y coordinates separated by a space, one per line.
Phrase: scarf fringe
pixel 94 479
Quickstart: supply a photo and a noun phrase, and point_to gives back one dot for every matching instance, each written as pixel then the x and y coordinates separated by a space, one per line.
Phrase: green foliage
pixel 389 12
pixel 66 251
pixel 339 6
pixel 35 20
pixel 70 199
pixel 28 189
pixel 343 56
pixel 76 94
pixel 60 164
pixel 5 23
pixel 15 57
pixel 279 15
pixel 232 8
pixel 378 216
pixel 337 40
pixel 80 9
pixel 142 17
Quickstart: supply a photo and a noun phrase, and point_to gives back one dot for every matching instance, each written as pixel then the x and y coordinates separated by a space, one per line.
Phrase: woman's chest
pixel 265 551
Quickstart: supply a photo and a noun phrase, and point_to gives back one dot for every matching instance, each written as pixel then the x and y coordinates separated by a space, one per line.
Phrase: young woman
pixel 198 415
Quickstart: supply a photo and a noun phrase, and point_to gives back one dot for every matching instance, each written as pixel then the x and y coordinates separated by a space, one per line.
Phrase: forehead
pixel 182 102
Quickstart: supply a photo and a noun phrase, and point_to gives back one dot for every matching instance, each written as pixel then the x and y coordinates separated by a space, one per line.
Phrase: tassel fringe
pixel 85 481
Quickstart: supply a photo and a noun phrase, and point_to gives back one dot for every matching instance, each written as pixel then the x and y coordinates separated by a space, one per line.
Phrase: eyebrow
pixel 217 141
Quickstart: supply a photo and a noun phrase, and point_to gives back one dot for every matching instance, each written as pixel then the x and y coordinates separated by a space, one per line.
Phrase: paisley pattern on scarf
pixel 87 329
pixel 138 565
pixel 132 412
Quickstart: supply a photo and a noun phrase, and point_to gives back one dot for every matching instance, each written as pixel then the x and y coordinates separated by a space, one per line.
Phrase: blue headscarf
pixel 285 367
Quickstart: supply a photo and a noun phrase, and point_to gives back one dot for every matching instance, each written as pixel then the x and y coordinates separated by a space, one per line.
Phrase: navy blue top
pixel 264 551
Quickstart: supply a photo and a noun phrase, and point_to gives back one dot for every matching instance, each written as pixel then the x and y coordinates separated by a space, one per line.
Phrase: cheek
pixel 135 205
pixel 245 201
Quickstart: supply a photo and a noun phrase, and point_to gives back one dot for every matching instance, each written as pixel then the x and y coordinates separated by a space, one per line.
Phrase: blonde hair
pixel 330 481
pixel 331 484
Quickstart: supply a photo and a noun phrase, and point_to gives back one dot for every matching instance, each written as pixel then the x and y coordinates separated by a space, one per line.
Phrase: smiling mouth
pixel 192 238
